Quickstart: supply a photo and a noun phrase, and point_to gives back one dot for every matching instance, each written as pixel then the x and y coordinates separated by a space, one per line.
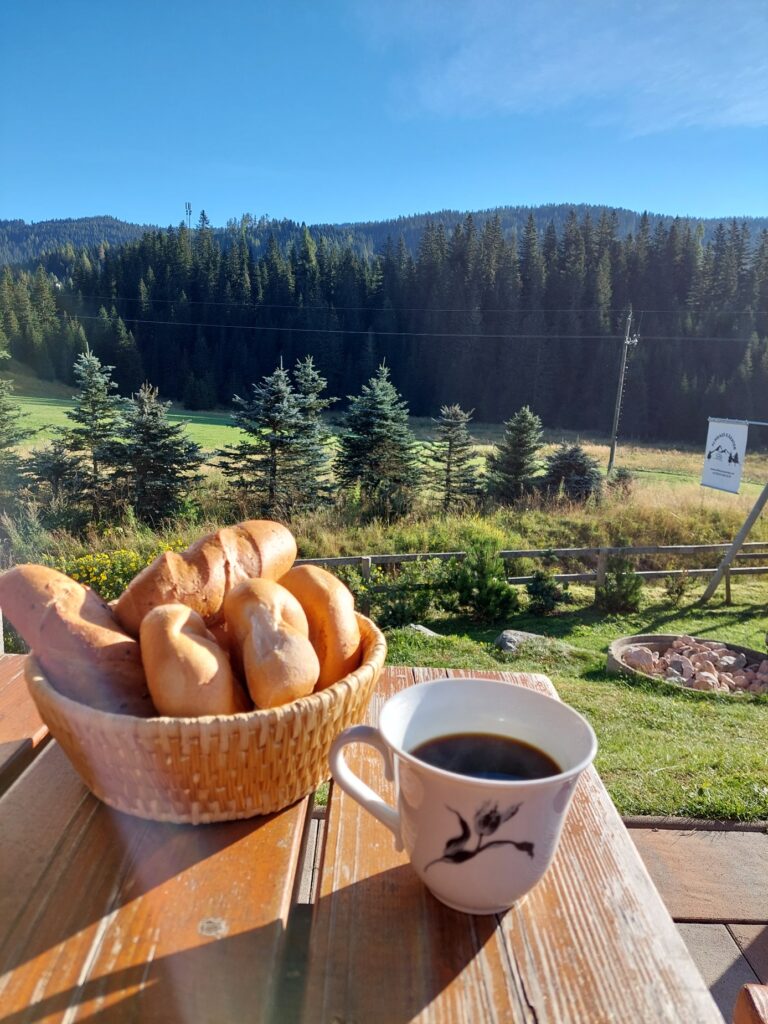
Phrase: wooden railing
pixel 752 551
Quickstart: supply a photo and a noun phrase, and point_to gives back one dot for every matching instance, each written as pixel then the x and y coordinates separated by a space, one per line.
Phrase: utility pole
pixel 628 341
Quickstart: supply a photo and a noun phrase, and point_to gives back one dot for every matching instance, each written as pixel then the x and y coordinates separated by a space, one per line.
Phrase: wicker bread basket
pixel 218 768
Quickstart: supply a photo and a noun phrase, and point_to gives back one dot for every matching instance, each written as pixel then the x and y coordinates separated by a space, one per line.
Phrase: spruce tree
pixel 455 472
pixel 157 461
pixel 58 470
pixel 312 448
pixel 95 416
pixel 571 469
pixel 269 460
pixel 377 450
pixel 12 433
pixel 512 466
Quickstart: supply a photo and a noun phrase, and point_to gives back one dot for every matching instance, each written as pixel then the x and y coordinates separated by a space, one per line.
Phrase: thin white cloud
pixel 648 67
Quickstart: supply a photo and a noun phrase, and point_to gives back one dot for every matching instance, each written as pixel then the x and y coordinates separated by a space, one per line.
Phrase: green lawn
pixel 211 430
pixel 662 750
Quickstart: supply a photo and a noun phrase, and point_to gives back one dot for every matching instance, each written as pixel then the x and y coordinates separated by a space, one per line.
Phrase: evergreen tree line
pixel 123 456
pixel 486 320
pixel 23 243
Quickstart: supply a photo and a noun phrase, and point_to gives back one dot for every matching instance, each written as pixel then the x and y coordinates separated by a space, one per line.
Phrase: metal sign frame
pixel 749 522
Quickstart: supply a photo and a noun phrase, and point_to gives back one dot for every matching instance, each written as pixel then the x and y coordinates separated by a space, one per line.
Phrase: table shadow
pixel 225 980
pixel 108 860
pixel 209 983
pixel 395 950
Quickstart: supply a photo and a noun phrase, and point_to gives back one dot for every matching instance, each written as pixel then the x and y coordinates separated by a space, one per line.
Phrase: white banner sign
pixel 724 456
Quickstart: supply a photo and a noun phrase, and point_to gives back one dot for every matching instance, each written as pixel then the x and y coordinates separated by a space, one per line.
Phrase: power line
pixel 522 336
pixel 364 330
pixel 419 309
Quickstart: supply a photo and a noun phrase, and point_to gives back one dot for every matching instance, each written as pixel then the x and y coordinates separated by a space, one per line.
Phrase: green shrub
pixel 676 587
pixel 545 593
pixel 12 642
pixel 622 588
pixel 409 595
pixel 478 586
pixel 408 591
pixel 621 482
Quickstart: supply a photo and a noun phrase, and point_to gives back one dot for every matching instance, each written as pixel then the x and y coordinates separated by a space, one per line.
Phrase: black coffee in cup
pixel 487 756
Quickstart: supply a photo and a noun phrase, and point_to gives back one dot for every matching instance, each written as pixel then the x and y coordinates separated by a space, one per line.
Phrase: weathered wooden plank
pixel 11 666
pixel 41 814
pixel 21 728
pixel 593 942
pixel 105 914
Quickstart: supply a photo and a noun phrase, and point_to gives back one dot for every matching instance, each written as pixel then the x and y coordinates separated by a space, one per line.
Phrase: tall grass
pixel 647 517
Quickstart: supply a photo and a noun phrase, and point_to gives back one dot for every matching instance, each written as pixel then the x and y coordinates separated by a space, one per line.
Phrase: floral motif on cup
pixel 474 839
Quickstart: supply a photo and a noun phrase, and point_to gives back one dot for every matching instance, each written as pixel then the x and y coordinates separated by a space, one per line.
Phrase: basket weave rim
pixel 375 650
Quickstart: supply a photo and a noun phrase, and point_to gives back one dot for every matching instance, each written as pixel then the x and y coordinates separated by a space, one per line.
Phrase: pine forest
pixel 477 315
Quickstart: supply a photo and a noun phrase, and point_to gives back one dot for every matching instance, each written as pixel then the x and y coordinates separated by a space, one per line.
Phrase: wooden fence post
pixel 602 565
pixel 727 575
pixel 365 572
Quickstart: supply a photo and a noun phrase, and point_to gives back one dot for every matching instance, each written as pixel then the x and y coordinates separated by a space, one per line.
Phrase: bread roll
pixel 79 645
pixel 330 610
pixel 268 624
pixel 188 674
pixel 201 576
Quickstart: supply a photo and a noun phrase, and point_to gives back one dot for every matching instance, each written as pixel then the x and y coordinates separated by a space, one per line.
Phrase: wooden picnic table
pixel 109 918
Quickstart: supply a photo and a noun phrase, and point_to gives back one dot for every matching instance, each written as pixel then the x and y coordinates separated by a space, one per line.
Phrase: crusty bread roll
pixel 79 645
pixel 201 576
pixel 188 674
pixel 330 610
pixel 269 626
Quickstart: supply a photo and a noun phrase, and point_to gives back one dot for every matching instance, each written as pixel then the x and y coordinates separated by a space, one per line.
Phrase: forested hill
pixel 22 243
pixel 371 236
pixel 475 318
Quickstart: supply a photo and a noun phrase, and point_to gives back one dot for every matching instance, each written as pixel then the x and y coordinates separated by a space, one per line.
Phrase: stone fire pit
pixel 706 665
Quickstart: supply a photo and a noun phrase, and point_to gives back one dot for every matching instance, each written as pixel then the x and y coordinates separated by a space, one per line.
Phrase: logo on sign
pixel 724 449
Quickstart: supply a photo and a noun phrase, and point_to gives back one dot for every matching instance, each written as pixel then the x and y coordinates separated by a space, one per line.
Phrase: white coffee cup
pixel 478 844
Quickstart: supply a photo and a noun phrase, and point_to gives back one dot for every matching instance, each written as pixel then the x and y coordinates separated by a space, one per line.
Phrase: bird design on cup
pixel 487 820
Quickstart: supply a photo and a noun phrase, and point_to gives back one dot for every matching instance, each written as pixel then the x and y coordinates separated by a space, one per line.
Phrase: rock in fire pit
pixel 707 665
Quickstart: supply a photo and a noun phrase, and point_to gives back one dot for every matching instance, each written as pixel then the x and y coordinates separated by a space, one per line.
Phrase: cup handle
pixel 354 786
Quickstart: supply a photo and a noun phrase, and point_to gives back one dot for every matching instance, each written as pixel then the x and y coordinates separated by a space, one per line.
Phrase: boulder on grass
pixel 421 629
pixel 510 639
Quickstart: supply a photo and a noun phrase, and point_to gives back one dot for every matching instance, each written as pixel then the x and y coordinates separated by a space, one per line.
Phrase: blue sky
pixel 358 109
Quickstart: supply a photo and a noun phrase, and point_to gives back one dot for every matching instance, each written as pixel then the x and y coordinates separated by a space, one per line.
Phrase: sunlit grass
pixel 662 750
